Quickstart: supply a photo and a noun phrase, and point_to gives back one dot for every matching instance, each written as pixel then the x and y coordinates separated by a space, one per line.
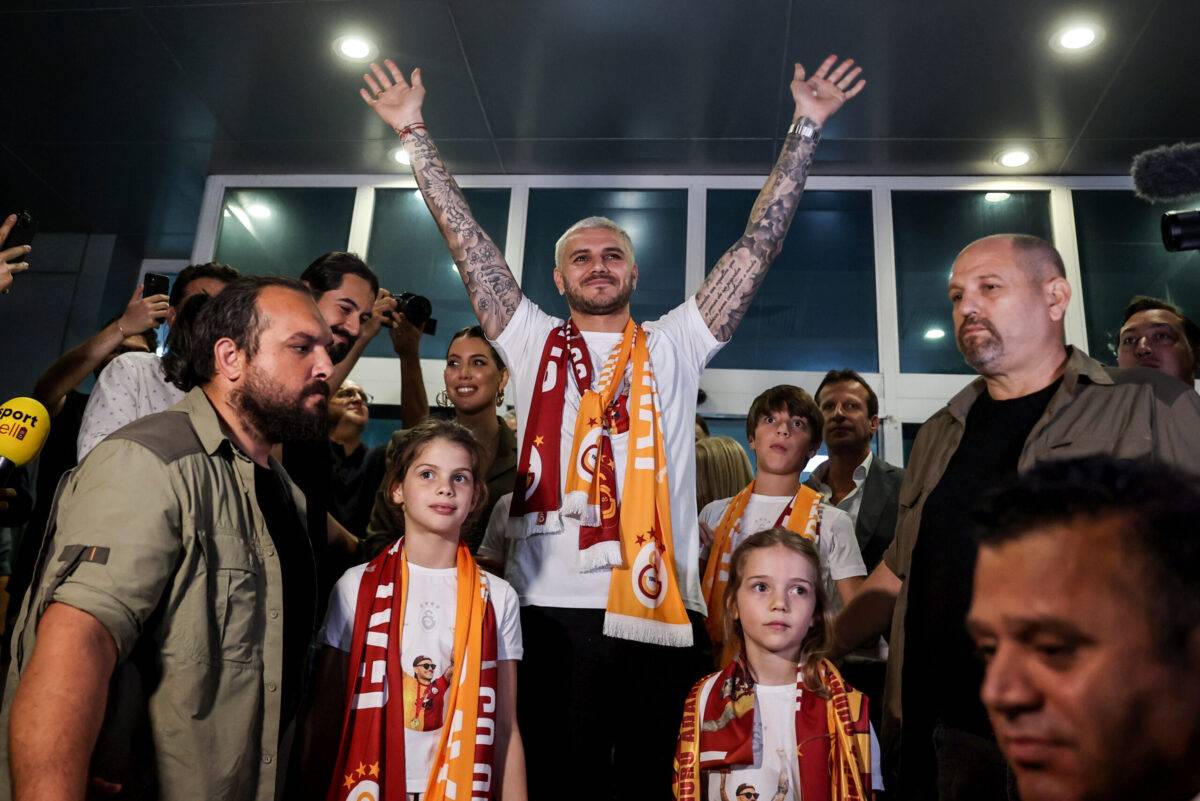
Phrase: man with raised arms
pixel 606 544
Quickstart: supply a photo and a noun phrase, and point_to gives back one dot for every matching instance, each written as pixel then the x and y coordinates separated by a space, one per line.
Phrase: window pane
pixel 656 220
pixel 1121 254
pixel 930 229
pixel 408 254
pixel 281 231
pixel 824 275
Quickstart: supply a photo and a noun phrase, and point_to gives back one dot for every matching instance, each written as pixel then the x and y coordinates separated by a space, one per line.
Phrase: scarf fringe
pixel 654 632
pixel 528 525
pixel 575 505
pixel 600 556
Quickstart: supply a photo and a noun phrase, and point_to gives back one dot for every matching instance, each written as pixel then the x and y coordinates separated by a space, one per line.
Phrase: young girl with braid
pixel 778 723
pixel 415 694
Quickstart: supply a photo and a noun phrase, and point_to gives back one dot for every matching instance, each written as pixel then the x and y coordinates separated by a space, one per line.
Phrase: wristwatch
pixel 806 129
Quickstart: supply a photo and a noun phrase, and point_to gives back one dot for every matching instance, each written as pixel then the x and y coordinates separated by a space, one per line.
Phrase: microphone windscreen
pixel 1167 173
pixel 24 426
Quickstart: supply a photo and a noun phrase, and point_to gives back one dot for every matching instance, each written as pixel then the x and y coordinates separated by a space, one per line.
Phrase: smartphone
pixel 22 232
pixel 155 284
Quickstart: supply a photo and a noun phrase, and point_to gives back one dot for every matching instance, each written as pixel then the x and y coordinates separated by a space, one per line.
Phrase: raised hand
pixel 143 313
pixel 395 100
pixel 820 96
pixel 11 260
pixel 381 315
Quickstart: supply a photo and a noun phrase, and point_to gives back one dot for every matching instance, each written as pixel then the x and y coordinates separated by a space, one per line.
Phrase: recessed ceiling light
pixel 259 210
pixel 934 333
pixel 1076 37
pixel 354 48
pixel 996 197
pixel 400 156
pixel 1014 157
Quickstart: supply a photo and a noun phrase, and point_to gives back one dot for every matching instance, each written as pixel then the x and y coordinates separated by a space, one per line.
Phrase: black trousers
pixel 600 716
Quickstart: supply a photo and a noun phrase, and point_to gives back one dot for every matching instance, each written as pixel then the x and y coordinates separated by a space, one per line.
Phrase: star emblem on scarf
pixel 641 540
pixel 537 441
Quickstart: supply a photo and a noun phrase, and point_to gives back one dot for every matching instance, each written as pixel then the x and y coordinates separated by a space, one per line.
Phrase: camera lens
pixel 1181 230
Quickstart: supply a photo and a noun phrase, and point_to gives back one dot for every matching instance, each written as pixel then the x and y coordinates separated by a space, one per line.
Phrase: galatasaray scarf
pixel 632 536
pixel 833 737
pixel 802 515
pixel 370 763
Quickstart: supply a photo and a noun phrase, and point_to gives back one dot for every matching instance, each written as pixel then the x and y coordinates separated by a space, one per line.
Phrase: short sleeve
pixel 689 335
pixel 844 558
pixel 710 516
pixel 338 629
pixel 117 539
pixel 110 406
pixel 521 342
pixel 508 619
pixel 493 545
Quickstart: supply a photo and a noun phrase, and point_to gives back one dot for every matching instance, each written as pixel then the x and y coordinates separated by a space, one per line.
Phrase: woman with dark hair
pixel 475 378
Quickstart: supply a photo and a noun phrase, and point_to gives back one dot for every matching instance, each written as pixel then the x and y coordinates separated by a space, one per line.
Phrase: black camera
pixel 1181 230
pixel 417 310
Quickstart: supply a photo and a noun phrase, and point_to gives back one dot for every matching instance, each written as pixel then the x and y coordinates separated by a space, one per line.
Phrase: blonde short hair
pixel 722 469
pixel 560 248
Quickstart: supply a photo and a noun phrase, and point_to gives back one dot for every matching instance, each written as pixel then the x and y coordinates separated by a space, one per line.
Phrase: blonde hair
pixel 722 469
pixel 815 644
pixel 560 247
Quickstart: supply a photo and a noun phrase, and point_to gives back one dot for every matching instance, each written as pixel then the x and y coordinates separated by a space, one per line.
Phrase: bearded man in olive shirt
pixel 178 588
pixel 1036 399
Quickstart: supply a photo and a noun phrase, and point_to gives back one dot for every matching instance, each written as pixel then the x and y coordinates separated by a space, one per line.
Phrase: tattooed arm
pixel 490 284
pixel 726 294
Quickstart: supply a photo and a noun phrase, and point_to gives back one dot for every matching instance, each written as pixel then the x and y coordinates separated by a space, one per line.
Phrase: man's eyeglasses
pixel 354 393
pixel 748 794
pixel 426 666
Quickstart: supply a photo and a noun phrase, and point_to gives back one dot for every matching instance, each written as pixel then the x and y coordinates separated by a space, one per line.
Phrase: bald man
pixel 1036 399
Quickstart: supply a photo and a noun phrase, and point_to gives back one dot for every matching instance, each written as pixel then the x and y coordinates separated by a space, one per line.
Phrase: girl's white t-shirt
pixel 427 650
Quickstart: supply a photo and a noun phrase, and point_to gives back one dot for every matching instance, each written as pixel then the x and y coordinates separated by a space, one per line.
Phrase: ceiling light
pixel 354 48
pixel 1014 157
pixel 1076 37
pixel 996 197
pixel 259 210
pixel 934 333
pixel 227 214
pixel 400 156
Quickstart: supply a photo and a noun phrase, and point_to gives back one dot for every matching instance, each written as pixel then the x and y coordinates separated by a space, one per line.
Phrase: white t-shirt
pixel 840 556
pixel 428 640
pixel 129 388
pixel 544 568
pixel 775 774
pixel 496 544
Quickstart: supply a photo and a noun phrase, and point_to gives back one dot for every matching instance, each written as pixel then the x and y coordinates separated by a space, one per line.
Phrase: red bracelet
pixel 409 128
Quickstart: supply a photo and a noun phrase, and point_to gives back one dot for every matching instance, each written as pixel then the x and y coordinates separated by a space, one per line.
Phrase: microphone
pixel 1166 173
pixel 24 426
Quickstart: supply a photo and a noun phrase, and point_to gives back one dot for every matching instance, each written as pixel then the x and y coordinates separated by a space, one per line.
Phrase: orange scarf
pixel 370 760
pixel 802 515
pixel 630 536
pixel 833 737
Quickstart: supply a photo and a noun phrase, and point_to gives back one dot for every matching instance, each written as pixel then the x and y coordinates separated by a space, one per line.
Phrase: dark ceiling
pixel 113 114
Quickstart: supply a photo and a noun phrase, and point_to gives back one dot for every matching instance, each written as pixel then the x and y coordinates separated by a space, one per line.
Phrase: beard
pixel 981 350
pixel 338 348
pixel 278 418
pixel 577 301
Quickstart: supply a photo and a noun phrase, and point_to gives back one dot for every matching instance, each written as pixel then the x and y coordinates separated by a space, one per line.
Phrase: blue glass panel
pixel 816 309
pixel 281 231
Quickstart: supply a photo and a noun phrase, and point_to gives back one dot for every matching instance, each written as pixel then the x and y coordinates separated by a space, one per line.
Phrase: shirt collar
pixel 204 419
pixel 1079 366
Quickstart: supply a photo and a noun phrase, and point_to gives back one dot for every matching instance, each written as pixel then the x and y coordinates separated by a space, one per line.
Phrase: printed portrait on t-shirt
pixel 425 694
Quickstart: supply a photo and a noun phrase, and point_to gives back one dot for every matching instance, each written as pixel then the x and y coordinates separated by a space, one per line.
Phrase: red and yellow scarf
pixel 630 536
pixel 833 737
pixel 802 515
pixel 370 763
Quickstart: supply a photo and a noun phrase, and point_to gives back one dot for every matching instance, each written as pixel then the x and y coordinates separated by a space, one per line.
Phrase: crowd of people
pixel 223 593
